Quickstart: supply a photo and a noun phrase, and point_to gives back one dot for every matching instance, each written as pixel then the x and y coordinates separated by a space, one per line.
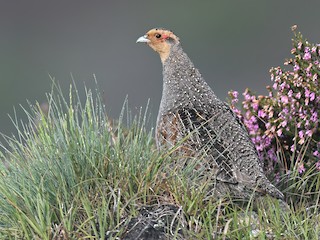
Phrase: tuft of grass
pixel 73 173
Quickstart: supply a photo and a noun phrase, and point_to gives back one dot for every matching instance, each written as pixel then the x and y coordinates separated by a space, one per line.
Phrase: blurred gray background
pixel 233 43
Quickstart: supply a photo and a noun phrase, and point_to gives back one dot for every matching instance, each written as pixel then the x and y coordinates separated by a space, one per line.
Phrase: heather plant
pixel 284 125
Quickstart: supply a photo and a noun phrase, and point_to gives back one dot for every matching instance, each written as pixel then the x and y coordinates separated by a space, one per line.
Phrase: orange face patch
pixel 157 41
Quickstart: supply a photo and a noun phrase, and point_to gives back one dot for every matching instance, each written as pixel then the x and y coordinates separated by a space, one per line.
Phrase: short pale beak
pixel 143 39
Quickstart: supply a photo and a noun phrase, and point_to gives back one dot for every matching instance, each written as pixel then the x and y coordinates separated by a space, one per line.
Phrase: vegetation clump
pixel 284 124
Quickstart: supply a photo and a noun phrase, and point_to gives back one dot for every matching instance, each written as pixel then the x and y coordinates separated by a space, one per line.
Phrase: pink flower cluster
pixel 286 122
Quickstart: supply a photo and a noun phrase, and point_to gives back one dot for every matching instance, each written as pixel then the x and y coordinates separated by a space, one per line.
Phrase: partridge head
pixel 160 40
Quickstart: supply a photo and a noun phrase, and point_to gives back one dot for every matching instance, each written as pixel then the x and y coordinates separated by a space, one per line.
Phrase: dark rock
pixel 156 222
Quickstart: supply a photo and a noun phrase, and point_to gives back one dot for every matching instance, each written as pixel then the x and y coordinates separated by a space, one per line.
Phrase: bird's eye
pixel 158 35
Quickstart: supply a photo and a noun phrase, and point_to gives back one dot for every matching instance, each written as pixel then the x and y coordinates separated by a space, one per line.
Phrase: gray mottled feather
pixel 190 107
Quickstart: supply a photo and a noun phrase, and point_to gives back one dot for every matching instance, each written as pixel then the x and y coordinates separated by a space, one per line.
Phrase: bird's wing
pixel 204 136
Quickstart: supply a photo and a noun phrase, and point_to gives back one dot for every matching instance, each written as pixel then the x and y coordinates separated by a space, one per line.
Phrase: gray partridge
pixel 191 115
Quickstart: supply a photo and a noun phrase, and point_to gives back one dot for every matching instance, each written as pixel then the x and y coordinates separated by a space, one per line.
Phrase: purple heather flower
pixel 255 128
pixel 278 72
pixel 318 165
pixel 316 153
pixel 309 133
pixel 248 114
pixel 234 101
pixel 301 168
pixel 306 92
pixel 299 45
pixel 298 82
pixel 270 94
pixel 284 99
pixel 307 123
pixel 259 147
pixel 302 113
pixel 275 86
pixel 296 67
pixel 255 105
pixel 271 154
pixel 258 138
pixel 284 123
pixel 267 141
pixel 292 148
pixel 307 54
pixel 301 134
pixel 314 117
pixel 261 113
pixel 313 49
pixel 299 124
pixel 283 86
pixel 273 129
pixel 312 96
pixel 279 132
pixel 270 115
pixel 236 111
pixel 235 94
pixel 272 76
pixel 298 95
pixel 268 125
pixel 247 96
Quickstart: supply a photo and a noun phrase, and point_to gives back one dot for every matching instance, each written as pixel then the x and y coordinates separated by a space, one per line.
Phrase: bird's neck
pixel 178 70
pixel 182 82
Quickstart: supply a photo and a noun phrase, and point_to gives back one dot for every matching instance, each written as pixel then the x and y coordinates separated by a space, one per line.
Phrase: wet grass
pixel 73 173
